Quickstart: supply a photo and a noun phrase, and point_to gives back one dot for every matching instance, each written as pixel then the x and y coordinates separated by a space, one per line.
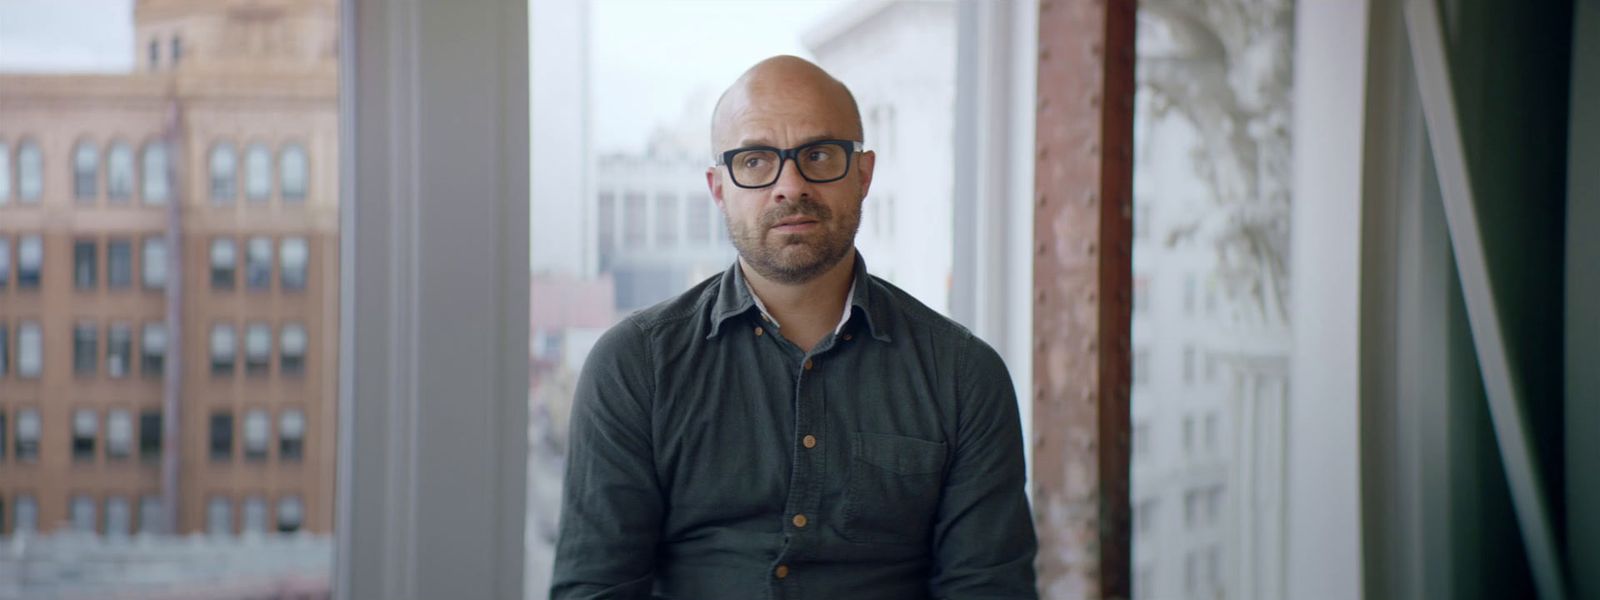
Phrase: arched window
pixel 85 171
pixel 157 188
pixel 257 172
pixel 30 172
pixel 224 173
pixel 293 172
pixel 119 171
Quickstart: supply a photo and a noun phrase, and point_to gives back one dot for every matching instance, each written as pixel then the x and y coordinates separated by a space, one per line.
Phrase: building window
pixel 119 172
pixel 257 172
pixel 291 435
pixel 222 437
pixel 224 173
pixel 5 360
pixel 5 261
pixel 30 172
pixel 293 172
pixel 119 434
pixel 258 263
pixel 85 264
pixel 26 517
pixel 256 435
pixel 150 515
pixel 30 349
pixel 177 50
pixel 118 520
pixel 119 264
pixel 28 430
pixel 30 261
pixel 219 516
pixel 290 514
pixel 157 185
pixel 153 350
pixel 606 214
pixel 154 54
pixel 293 255
pixel 150 435
pixel 85 171
pixel 1213 423
pixel 82 513
pixel 119 350
pixel 154 257
pixel 85 349
pixel 224 260
pixel 1188 364
pixel 667 221
pixel 292 349
pixel 4 439
pixel 257 349
pixel 1188 434
pixel 633 220
pixel 255 515
pixel 5 174
pixel 699 221
pixel 223 350
pixel 85 427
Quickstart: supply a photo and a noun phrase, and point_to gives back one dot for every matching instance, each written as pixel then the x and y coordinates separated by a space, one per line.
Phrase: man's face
pixel 793 230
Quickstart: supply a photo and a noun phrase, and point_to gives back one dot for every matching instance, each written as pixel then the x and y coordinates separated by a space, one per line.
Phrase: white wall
pixel 558 162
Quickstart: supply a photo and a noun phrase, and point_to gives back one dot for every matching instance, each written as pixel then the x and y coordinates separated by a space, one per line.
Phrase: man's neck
pixel 806 311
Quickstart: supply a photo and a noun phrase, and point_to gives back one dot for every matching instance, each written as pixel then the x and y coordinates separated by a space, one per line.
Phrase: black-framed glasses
pixel 819 162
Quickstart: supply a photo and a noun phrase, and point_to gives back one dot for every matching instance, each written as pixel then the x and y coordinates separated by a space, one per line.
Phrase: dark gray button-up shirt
pixel 712 459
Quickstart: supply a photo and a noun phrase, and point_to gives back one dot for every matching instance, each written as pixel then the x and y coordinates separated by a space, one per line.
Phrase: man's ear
pixel 865 164
pixel 714 184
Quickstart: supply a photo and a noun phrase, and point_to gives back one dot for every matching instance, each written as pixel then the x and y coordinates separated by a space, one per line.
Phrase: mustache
pixel 804 208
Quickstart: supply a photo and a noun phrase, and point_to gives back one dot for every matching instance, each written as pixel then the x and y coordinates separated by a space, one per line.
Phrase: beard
pixel 793 258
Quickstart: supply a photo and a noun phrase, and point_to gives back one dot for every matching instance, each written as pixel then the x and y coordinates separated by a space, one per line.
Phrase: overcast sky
pixel 649 56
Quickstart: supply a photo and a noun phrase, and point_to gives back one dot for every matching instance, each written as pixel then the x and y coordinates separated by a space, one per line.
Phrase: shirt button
pixel 800 521
pixel 759 332
pixel 781 572
pixel 846 337
pixel 809 441
pixel 809 364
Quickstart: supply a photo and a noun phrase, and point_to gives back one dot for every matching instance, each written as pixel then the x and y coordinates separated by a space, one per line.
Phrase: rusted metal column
pixel 1083 228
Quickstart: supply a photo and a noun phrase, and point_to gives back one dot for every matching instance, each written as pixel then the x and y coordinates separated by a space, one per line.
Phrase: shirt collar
pixel 734 298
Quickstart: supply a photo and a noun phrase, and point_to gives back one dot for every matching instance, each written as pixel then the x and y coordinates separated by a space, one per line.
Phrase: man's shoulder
pixel 674 315
pixel 909 314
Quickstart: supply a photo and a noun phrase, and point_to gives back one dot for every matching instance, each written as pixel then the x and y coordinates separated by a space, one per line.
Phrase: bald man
pixel 793 428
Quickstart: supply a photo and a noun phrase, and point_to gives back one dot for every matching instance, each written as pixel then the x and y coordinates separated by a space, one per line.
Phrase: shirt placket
pixel 802 514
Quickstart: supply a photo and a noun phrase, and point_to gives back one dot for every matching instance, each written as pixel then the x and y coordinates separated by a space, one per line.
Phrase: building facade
pixel 169 281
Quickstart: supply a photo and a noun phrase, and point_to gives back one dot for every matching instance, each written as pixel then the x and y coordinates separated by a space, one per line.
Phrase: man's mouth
pixel 795 224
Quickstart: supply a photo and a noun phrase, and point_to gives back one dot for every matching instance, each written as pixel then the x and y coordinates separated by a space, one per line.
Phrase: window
pixel 157 185
pixel 255 515
pixel 119 172
pixel 224 173
pixel 606 215
pixel 292 349
pixel 257 172
pixel 85 427
pixel 224 259
pixel 1213 423
pixel 5 174
pixel 82 513
pixel 257 349
pixel 119 350
pixel 699 221
pixel 150 435
pixel 290 514
pixel 119 264
pixel 26 518
pixel 119 520
pixel 256 434
pixel 293 256
pixel 1188 364
pixel 258 263
pixel 291 435
pixel 154 257
pixel 1188 434
pixel 1192 509
pixel 5 262
pixel 293 173
pixel 219 516
pixel 30 172
pixel 85 264
pixel 119 433
pixel 4 435
pixel 150 515
pixel 85 171
pixel 30 351
pixel 633 219
pixel 177 50
pixel 85 349
pixel 5 357
pixel 30 261
pixel 154 54
pixel 221 437
pixel 223 349
pixel 667 221
pixel 153 350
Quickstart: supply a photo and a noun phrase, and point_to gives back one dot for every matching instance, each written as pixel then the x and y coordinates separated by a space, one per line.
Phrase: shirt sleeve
pixel 984 542
pixel 611 505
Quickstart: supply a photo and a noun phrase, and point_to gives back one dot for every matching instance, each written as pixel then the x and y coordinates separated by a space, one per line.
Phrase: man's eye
pixel 752 162
pixel 818 155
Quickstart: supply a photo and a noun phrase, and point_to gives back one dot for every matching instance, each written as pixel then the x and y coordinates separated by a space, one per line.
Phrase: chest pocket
pixel 893 488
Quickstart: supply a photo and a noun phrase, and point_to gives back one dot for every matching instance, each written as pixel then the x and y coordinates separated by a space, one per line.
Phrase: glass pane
pixel 124 100
pixel 1210 326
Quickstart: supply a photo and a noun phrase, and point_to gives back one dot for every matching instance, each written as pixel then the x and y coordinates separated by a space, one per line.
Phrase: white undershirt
pixel 842 318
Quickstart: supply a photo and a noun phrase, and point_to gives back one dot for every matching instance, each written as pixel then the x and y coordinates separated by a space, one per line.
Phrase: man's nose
pixel 791 185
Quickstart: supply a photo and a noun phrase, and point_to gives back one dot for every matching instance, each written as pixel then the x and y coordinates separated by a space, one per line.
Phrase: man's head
pixel 795 228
